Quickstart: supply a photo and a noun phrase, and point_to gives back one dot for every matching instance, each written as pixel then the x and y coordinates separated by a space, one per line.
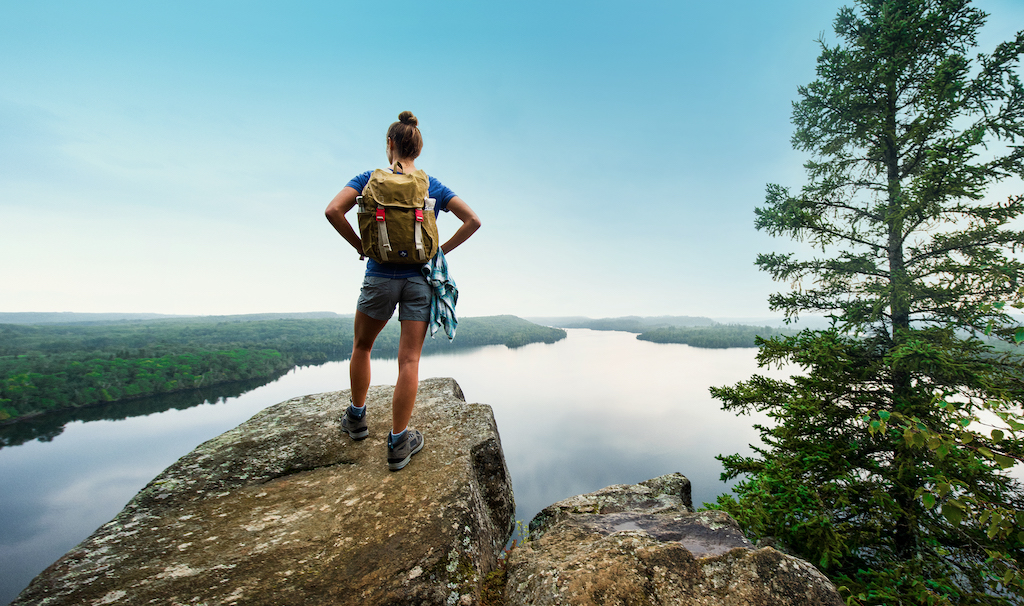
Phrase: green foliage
pixel 96 380
pixel 694 331
pixel 716 337
pixel 46 427
pixel 833 480
pixel 494 330
pixel 886 463
pixel 52 367
pixel 306 339
pixel 625 323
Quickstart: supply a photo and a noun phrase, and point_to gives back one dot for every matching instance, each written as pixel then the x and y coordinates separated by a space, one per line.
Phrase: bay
pixel 597 408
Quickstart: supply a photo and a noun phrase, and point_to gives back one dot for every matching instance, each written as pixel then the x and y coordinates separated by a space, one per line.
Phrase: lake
pixel 597 408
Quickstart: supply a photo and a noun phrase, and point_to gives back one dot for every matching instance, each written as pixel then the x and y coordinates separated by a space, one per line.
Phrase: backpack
pixel 396 218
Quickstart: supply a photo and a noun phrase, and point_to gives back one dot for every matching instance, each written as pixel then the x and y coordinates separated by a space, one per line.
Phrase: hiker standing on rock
pixel 399 235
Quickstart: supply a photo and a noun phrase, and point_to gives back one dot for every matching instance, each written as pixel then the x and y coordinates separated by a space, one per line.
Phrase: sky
pixel 177 157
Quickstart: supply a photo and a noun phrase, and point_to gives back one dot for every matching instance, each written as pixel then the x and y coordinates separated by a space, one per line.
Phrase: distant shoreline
pixel 74 317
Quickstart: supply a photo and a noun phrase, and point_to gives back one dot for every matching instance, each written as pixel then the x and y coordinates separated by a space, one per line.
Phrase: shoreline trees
pixel 53 367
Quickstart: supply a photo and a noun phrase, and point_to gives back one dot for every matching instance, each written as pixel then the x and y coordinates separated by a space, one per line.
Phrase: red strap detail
pixel 380 214
pixel 419 215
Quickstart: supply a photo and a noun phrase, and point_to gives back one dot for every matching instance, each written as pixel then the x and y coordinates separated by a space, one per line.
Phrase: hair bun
pixel 408 118
pixel 407 137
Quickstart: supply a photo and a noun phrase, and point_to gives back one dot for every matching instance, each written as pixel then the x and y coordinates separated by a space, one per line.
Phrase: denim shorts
pixel 379 296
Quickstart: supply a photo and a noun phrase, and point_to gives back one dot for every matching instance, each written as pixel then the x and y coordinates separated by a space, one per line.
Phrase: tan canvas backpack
pixel 396 218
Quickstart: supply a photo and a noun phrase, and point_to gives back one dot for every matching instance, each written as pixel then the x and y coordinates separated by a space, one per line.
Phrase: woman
pixel 387 285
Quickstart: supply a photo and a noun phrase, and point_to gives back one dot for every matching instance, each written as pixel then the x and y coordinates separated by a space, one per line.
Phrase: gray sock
pixel 394 438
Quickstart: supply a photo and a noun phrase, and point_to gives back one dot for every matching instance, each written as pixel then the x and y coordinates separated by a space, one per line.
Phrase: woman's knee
pixel 408 362
pixel 362 346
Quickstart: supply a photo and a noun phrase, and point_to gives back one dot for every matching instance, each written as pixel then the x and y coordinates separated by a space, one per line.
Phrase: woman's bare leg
pixel 410 346
pixel 365 331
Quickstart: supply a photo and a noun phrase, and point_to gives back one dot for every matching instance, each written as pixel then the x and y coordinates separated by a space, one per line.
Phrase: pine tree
pixel 887 463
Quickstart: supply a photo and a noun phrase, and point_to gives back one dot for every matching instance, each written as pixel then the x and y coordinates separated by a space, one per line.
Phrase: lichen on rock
pixel 286 509
pixel 643 545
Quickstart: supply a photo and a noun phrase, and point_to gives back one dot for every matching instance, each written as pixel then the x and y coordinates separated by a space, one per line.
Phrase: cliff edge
pixel 286 509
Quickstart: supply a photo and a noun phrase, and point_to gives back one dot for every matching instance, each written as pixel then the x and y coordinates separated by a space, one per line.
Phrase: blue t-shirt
pixel 441 195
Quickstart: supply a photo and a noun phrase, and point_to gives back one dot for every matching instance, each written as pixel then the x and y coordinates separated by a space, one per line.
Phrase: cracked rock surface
pixel 286 509
pixel 643 545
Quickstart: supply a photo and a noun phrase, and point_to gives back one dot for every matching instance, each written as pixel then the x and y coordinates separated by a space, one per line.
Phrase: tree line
pixel 52 367
pixel 636 324
pixel 714 337
pixel 46 427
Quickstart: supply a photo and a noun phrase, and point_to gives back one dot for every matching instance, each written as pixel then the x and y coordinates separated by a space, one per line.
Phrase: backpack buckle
pixel 419 215
pixel 380 214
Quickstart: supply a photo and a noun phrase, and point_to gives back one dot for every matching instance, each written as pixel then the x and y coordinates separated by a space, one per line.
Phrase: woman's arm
pixel 341 204
pixel 470 223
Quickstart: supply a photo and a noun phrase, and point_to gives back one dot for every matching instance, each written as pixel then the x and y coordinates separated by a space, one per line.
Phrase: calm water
pixel 595 409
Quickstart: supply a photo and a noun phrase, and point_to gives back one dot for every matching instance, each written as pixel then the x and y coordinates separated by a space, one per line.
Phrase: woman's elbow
pixel 331 212
pixel 473 222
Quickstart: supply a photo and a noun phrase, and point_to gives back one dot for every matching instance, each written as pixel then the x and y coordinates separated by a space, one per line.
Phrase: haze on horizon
pixel 177 158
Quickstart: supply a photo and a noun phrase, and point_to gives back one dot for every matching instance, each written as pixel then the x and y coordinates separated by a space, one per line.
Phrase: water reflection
pixel 604 408
pixel 48 426
pixel 595 409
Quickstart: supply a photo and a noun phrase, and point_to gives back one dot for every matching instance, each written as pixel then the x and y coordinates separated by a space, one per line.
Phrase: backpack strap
pixel 417 233
pixel 382 234
pixel 421 251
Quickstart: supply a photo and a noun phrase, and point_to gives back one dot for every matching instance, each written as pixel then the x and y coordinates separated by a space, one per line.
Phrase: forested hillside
pixel 696 331
pixel 56 366
pixel 717 337
pixel 624 323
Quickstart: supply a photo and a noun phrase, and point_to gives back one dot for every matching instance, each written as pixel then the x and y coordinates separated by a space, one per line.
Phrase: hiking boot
pixel 355 426
pixel 402 450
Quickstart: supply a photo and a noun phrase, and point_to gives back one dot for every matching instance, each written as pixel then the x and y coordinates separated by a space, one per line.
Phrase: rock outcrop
pixel 286 509
pixel 643 545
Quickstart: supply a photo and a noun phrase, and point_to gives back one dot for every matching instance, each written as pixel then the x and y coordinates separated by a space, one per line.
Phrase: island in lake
pixel 696 331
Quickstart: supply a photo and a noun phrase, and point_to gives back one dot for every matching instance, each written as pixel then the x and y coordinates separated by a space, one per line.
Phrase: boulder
pixel 644 545
pixel 286 509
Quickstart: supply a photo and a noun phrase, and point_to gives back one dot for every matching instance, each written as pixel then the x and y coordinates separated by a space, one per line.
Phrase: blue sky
pixel 177 157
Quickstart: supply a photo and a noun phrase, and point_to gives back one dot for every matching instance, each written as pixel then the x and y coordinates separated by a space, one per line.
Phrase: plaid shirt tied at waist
pixel 444 296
